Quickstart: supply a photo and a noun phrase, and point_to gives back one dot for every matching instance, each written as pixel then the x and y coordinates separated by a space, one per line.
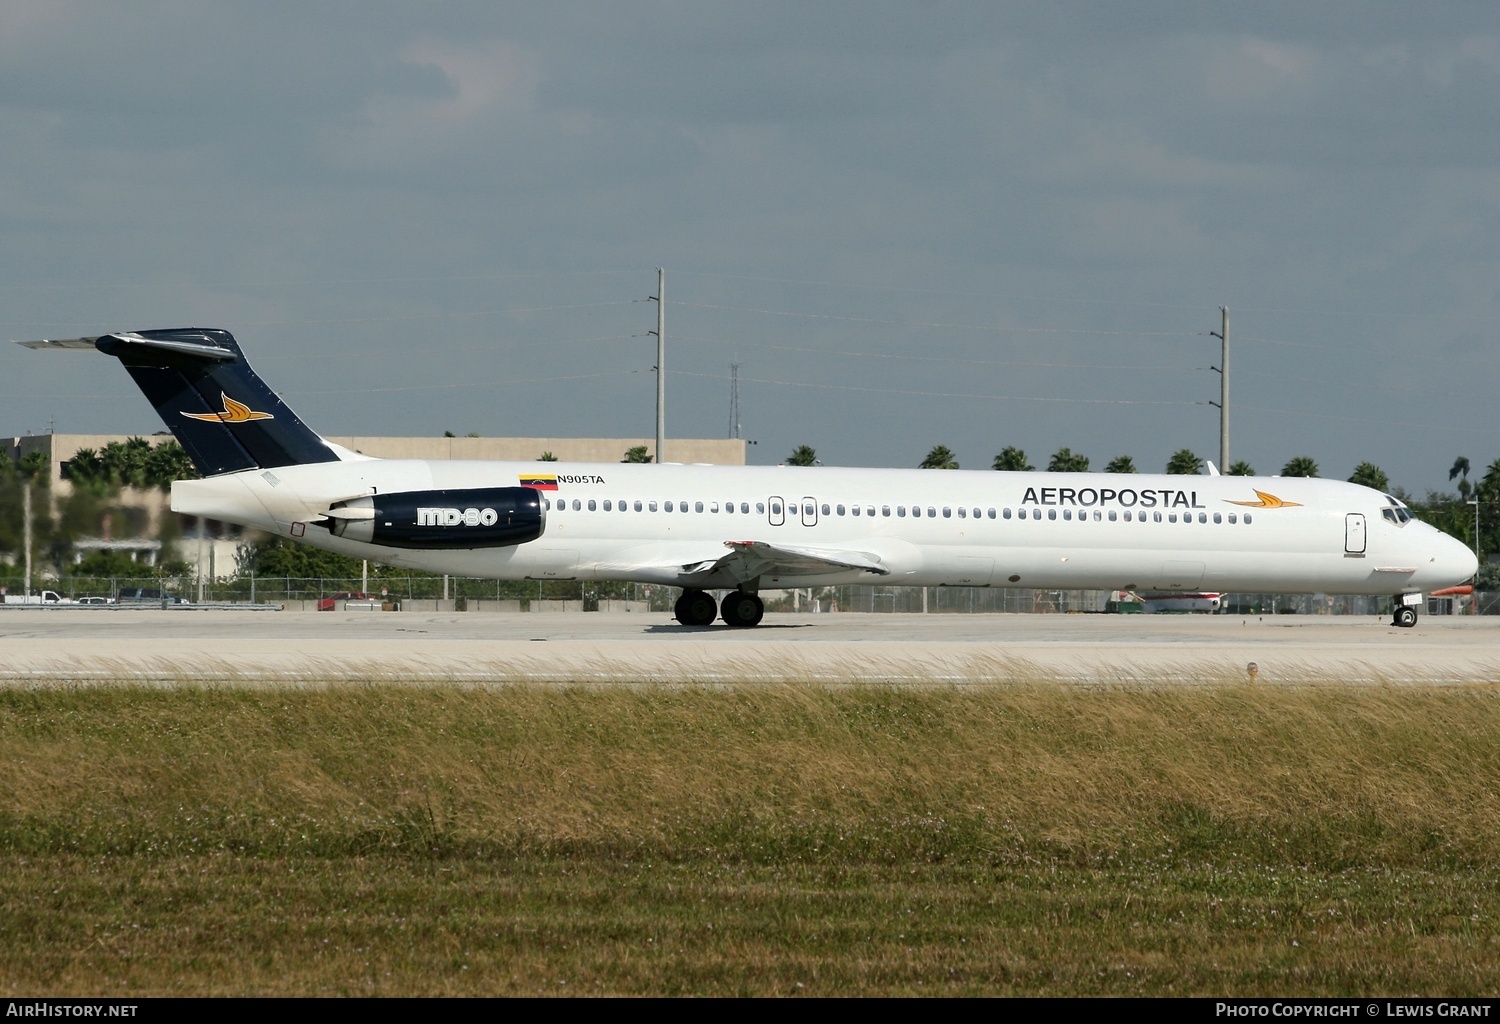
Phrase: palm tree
pixel 546 457
pixel 1121 464
pixel 1461 466
pixel 1240 468
pixel 167 462
pixel 1300 465
pixel 1184 463
pixel 637 453
pixel 1367 474
pixel 939 458
pixel 1064 461
pixel 803 455
pixel 1012 460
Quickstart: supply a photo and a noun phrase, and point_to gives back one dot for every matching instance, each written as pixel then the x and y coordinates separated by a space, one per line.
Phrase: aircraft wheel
pixel 1406 616
pixel 742 609
pixel 695 608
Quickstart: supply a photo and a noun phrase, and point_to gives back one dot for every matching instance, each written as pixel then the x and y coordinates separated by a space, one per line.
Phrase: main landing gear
pixel 1406 610
pixel 696 608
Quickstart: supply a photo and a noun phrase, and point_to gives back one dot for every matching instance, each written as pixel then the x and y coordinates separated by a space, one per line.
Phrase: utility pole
pixel 1223 402
pixel 734 400
pixel 26 529
pixel 1477 556
pixel 661 363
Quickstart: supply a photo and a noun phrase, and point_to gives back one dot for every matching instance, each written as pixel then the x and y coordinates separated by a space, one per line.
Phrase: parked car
pixel 147 595
pixel 349 600
pixel 96 600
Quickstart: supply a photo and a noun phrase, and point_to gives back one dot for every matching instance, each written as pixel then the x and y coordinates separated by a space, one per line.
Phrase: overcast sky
pixel 970 224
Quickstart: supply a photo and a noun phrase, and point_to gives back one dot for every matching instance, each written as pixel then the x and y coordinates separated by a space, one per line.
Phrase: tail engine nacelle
pixel 478 517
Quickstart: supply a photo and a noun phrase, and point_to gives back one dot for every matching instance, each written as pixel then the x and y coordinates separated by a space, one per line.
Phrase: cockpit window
pixel 1398 514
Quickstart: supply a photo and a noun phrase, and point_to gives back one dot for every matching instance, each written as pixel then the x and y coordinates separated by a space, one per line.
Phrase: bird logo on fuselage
pixel 234 412
pixel 1266 501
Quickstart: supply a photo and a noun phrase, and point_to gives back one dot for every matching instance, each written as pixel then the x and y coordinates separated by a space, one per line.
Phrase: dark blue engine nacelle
pixel 477 517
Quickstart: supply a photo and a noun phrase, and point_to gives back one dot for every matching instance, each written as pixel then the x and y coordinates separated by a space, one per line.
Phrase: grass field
pixel 780 839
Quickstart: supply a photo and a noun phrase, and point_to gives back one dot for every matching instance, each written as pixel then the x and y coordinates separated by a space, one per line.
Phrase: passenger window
pixel 1112 515
pixel 547 504
pixel 775 508
pixel 1052 513
pixel 1067 513
pixel 963 512
pixel 976 513
pixel 885 510
pixel 992 513
pixel 653 506
pixel 593 506
pixel 870 511
pixel 854 509
pixel 607 506
pixel 1202 517
pixel 1171 517
pixel 745 508
pixel 900 511
pixel 1233 518
pixel 697 506
pixel 947 512
pixel 931 512
pixel 713 507
pixel 916 512
pixel 1156 516
pixel 1098 516
pixel 577 505
pixel 1006 513
pixel 1247 518
pixel 840 510
pixel 825 510
pixel 637 504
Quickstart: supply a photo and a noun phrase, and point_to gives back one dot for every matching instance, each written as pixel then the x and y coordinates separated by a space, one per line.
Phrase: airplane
pixel 745 529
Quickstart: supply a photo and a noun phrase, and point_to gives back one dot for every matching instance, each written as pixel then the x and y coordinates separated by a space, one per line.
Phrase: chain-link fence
pixel 464 593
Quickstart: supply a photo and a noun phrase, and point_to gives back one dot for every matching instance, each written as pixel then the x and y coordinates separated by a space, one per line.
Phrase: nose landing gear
pixel 1406 610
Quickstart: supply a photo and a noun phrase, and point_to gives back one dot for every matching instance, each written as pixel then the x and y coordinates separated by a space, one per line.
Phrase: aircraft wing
pixel 693 565
pixel 748 559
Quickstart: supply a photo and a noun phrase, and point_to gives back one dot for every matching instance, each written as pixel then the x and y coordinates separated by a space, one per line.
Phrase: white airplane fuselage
pixel 1052 530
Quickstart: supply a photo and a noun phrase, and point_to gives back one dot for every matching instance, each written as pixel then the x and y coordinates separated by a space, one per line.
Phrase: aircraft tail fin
pixel 225 417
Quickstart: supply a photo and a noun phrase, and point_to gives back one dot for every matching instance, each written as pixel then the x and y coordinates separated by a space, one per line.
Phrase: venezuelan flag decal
pixel 541 481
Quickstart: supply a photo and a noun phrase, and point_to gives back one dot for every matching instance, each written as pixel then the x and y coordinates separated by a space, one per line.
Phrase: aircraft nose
pixel 1455 562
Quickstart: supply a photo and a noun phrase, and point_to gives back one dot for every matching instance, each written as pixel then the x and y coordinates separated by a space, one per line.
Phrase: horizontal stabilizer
pixel 220 411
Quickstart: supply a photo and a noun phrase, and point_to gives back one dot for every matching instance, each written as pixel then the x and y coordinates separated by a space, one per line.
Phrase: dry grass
pixel 389 839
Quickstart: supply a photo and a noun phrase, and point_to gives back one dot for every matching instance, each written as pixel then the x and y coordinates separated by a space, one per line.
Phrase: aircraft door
pixel 1354 534
pixel 776 510
pixel 809 511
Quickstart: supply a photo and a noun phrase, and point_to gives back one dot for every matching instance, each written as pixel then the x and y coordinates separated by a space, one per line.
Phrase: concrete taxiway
pixel 198 646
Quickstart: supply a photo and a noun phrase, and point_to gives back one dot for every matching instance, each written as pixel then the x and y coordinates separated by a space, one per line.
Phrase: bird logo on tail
pixel 234 412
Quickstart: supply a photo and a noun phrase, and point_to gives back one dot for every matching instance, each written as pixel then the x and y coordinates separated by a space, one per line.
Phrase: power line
pixel 932 394
pixel 938 324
